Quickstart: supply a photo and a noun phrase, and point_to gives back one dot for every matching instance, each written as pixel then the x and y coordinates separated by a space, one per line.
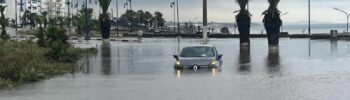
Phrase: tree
pixel 225 30
pixel 160 22
pixel 272 22
pixel 148 18
pixel 140 17
pixel 79 20
pixel 44 15
pixel 25 17
pixel 243 21
pixel 60 20
pixel 3 23
pixel 105 23
pixel 41 34
pixel 32 19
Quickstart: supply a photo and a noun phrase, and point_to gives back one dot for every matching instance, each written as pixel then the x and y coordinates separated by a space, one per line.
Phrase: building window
pixel 2 1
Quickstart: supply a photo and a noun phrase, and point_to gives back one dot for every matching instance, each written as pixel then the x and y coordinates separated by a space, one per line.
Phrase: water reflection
pixel 106 58
pixel 334 47
pixel 244 60
pixel 273 61
pixel 203 71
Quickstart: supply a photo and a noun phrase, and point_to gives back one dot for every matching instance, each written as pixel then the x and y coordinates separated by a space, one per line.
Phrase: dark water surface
pixel 300 69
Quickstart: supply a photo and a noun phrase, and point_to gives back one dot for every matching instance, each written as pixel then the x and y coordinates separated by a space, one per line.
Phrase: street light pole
pixel 178 27
pixel 86 28
pixel 69 17
pixel 347 19
pixel 282 23
pixel 130 4
pixel 16 16
pixel 172 5
pixel 309 17
pixel 117 8
pixel 178 19
pixel 205 22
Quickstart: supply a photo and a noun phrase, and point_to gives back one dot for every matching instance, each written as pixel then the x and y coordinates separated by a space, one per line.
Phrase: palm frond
pixel 242 3
pixel 273 4
pixel 104 4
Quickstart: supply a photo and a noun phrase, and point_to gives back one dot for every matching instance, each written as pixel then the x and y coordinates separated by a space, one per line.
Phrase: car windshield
pixel 198 52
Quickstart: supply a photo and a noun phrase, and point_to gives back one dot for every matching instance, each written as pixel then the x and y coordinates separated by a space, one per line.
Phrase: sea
pixel 257 28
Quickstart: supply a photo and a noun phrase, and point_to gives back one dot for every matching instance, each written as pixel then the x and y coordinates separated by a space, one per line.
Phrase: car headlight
pixel 178 63
pixel 214 62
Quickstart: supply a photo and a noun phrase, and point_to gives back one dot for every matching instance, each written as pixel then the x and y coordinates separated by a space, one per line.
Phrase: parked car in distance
pixel 198 57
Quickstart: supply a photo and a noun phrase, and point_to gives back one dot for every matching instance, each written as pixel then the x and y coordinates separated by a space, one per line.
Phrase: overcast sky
pixel 221 10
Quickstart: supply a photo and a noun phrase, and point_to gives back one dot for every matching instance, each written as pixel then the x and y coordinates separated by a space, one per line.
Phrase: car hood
pixel 200 61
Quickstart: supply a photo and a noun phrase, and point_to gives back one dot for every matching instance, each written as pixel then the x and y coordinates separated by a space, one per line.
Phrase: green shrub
pixel 57 42
pixel 23 62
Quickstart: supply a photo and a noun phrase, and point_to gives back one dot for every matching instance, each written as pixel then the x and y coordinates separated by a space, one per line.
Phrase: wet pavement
pixel 300 69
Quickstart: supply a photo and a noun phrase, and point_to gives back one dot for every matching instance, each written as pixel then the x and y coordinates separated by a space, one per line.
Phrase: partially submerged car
pixel 197 57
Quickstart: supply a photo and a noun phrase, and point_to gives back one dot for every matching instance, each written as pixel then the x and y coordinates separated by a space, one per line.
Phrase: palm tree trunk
pixel 272 23
pixel 243 22
pixel 105 27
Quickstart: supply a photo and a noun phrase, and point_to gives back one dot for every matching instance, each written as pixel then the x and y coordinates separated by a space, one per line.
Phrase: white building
pixel 55 7
pixel 34 6
pixel 4 3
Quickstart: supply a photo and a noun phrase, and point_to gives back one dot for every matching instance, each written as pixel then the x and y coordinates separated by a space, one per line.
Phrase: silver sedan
pixel 198 56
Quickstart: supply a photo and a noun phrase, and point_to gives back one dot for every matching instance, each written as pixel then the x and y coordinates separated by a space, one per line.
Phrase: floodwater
pixel 301 69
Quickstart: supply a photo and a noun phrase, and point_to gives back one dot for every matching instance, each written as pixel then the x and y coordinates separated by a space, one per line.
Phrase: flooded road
pixel 300 69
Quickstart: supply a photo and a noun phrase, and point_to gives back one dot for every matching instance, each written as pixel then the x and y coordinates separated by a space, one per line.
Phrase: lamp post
pixel 130 4
pixel 69 17
pixel 117 8
pixel 86 26
pixel 205 22
pixel 347 19
pixel 309 5
pixel 16 16
pixel 178 26
pixel 172 5
pixel 282 16
pixel 178 18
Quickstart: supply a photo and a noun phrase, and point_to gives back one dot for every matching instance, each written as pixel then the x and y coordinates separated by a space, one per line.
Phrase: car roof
pixel 200 46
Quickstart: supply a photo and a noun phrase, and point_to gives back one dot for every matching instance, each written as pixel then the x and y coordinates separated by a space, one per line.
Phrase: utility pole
pixel 172 5
pixel 117 8
pixel 112 12
pixel 16 16
pixel 309 18
pixel 205 22
pixel 178 27
pixel 69 17
pixel 130 4
pixel 86 28
pixel 178 19
pixel 282 28
pixel 77 8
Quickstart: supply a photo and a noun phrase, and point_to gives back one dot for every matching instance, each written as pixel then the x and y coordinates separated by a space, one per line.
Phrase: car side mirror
pixel 219 57
pixel 176 57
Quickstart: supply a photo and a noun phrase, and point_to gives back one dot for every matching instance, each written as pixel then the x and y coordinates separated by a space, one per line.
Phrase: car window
pixel 198 52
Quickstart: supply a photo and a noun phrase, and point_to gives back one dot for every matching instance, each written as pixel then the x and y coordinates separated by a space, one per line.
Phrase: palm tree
pixel 78 20
pixel 272 22
pixel 3 23
pixel 160 22
pixel 104 19
pixel 32 19
pixel 41 34
pixel 243 22
pixel 44 16
pixel 25 17
pixel 140 17
pixel 148 18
